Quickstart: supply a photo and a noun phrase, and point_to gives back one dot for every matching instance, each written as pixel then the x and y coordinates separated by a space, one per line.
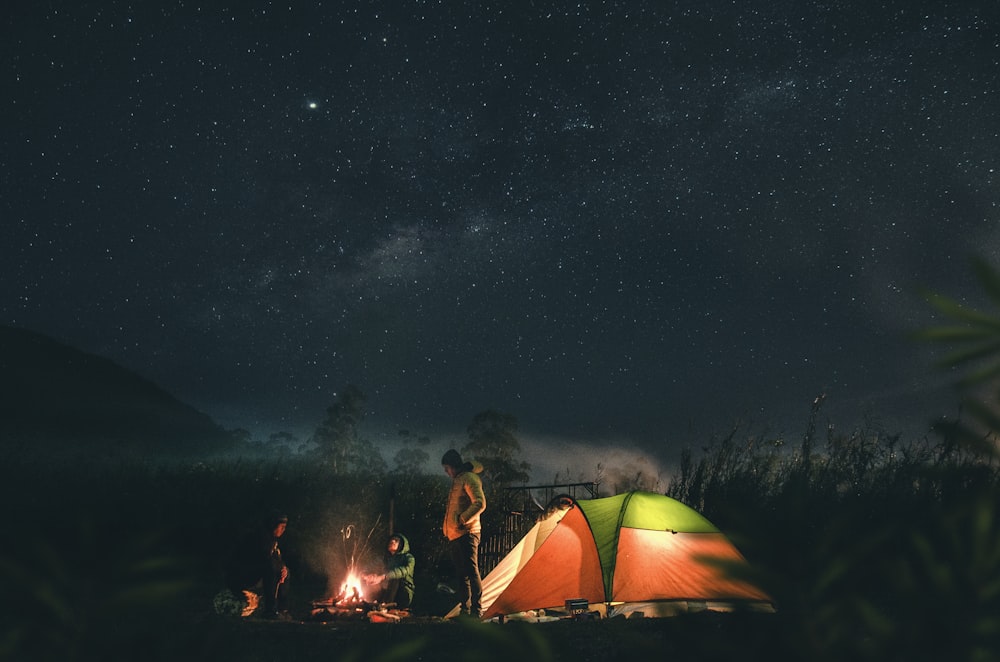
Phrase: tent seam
pixel 609 588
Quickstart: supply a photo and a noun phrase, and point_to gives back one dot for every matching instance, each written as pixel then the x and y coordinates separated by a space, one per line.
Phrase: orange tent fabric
pixel 636 547
pixel 562 567
pixel 661 565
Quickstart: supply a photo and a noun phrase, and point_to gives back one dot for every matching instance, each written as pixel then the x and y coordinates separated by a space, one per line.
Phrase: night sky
pixel 629 224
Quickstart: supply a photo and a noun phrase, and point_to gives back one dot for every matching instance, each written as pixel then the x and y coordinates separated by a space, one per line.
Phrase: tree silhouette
pixel 493 441
pixel 336 438
pixel 410 460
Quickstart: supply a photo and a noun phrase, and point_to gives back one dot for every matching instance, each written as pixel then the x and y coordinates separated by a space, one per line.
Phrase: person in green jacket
pixel 397 580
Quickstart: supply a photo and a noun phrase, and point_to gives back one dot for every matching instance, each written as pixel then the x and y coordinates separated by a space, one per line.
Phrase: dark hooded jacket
pixel 256 563
pixel 399 574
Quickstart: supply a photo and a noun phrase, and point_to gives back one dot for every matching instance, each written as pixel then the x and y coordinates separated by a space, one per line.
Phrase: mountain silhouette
pixel 55 396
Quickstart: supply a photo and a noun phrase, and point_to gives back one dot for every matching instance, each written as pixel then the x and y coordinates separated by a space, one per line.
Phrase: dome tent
pixel 636 551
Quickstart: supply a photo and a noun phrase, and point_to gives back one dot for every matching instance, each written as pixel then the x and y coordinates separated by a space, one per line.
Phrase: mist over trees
pixel 339 444
pixel 493 441
pixel 411 459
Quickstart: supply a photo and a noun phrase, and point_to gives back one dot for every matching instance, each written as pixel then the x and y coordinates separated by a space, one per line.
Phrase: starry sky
pixel 629 224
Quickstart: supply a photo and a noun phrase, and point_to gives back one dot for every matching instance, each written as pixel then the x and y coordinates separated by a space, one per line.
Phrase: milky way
pixel 622 222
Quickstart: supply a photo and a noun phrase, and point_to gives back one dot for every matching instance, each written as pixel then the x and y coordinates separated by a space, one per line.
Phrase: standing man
pixel 466 502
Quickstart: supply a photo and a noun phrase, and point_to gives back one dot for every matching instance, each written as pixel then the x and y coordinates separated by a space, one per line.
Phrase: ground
pixel 706 636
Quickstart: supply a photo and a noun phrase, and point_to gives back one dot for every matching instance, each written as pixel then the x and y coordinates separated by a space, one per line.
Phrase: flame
pixel 351 589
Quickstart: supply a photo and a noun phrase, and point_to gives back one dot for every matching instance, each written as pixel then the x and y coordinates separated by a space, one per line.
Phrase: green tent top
pixel 636 510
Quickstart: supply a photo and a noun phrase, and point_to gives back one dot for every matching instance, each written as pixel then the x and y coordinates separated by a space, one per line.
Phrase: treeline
pixel 339 445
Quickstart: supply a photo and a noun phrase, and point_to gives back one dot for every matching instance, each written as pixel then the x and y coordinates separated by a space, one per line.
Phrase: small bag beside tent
pixel 636 551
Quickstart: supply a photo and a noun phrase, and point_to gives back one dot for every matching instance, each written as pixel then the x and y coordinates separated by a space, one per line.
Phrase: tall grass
pixel 873 548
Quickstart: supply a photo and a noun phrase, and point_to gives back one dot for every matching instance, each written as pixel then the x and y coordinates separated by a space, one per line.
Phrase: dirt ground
pixel 706 636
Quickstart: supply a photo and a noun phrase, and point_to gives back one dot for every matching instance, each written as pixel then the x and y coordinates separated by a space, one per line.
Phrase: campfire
pixel 348 603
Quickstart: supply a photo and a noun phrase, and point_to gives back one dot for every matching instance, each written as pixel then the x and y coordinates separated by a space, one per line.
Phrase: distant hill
pixel 54 394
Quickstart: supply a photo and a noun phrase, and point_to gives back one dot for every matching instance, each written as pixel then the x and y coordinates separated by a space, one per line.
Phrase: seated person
pixel 397 580
pixel 256 575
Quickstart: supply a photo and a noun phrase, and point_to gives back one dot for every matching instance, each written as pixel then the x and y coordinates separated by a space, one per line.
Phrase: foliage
pixel 493 441
pixel 871 547
pixel 81 584
pixel 337 439
pixel 411 459
pixel 976 338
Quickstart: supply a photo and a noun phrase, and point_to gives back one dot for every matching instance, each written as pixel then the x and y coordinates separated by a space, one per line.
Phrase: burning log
pixel 349 603
pixel 351 595
pixel 385 616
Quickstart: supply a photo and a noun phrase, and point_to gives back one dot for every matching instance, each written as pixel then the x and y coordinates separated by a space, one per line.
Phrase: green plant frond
pixel 955 334
pixel 874 618
pixel 979 376
pixel 984 413
pixel 956 311
pixel 968 354
pixel 834 570
pixel 988 277
pixel 55 604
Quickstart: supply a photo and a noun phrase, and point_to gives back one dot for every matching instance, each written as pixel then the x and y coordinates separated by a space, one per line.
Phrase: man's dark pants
pixel 465 556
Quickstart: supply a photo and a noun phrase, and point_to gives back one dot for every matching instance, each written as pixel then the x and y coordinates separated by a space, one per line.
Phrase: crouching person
pixel 396 583
pixel 256 575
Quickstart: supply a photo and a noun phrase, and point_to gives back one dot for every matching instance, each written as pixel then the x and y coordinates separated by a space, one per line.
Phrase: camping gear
pixel 635 553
